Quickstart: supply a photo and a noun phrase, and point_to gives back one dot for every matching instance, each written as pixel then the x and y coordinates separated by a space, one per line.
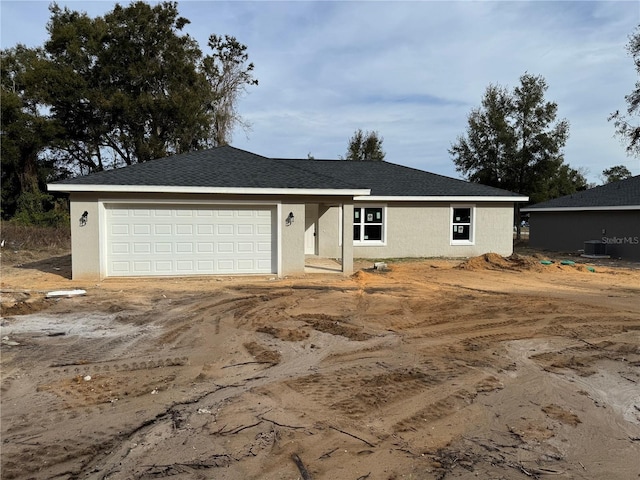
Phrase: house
pixel 229 211
pixel 601 221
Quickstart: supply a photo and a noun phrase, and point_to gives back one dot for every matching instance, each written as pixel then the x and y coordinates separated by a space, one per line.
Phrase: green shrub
pixel 40 209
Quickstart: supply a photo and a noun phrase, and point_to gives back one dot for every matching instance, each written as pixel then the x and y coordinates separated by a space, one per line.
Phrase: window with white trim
pixel 368 224
pixel 462 221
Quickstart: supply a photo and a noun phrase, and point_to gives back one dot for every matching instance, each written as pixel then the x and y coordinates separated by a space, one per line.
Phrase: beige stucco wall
pixel 412 230
pixel 347 246
pixel 292 239
pixel 416 230
pixel 494 229
pixel 85 241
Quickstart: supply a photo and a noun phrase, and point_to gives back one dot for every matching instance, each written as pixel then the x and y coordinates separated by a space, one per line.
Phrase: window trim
pixel 371 243
pixel 472 224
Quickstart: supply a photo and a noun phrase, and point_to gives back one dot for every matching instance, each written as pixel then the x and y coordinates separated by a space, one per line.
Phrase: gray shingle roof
pixel 224 167
pixel 229 167
pixel 389 179
pixel 623 193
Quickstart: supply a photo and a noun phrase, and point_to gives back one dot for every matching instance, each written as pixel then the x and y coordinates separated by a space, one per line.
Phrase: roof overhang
pixel 72 188
pixel 582 209
pixel 443 198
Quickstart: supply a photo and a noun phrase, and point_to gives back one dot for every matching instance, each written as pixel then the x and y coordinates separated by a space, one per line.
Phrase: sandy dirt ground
pixel 488 368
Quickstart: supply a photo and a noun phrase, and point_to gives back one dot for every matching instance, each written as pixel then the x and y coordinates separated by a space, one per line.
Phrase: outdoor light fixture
pixel 83 218
pixel 289 219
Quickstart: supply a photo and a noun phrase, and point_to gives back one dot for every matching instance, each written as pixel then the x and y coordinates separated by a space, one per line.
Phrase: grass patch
pixel 29 237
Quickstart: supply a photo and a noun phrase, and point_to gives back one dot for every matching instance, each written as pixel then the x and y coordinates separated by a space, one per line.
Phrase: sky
pixel 410 71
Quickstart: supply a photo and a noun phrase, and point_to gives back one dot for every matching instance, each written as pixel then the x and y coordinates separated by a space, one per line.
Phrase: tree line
pixel 131 86
pixel 126 87
pixel 514 141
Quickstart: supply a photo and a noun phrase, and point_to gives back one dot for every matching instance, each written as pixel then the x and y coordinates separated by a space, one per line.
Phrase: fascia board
pixel 443 198
pixel 62 187
pixel 581 209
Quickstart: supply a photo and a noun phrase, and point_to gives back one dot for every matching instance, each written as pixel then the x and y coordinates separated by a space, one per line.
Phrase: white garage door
pixel 176 240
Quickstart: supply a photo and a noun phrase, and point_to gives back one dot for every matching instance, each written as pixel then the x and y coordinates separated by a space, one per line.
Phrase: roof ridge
pixel 293 161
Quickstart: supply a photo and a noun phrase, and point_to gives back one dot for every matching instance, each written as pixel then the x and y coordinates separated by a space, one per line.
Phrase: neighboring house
pixel 604 220
pixel 228 211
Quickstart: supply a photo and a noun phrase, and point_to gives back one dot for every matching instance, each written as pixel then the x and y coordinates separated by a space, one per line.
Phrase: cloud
pixel 410 70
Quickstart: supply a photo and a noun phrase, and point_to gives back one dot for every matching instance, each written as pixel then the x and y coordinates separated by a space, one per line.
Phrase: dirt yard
pixel 491 368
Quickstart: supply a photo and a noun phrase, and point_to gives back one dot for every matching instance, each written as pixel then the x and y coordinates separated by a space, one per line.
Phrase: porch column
pixel 347 238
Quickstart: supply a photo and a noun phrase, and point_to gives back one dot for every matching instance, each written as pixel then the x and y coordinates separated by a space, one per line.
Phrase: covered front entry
pixel 328 234
pixel 189 240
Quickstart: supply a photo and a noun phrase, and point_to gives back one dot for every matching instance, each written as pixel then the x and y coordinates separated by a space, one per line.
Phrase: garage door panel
pixel 141 229
pixel 120 267
pixel 246 265
pixel 187 240
pixel 205 229
pixel 142 267
pixel 263 247
pixel 225 266
pixel 120 248
pixel 244 230
pixel 263 229
pixel 224 247
pixel 184 229
pixel 162 247
pixel 142 247
pixel 164 266
pixel 264 264
pixel 119 229
pixel 182 247
pixel 184 266
pixel 205 265
pixel 245 247
pixel 205 247
pixel 161 229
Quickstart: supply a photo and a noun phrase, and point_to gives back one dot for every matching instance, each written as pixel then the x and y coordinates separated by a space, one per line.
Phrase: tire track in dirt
pixel 384 374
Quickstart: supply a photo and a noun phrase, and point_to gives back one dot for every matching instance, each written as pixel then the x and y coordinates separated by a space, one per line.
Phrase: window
pixel 462 224
pixel 368 224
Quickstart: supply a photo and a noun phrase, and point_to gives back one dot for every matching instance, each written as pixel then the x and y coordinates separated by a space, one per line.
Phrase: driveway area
pixel 431 369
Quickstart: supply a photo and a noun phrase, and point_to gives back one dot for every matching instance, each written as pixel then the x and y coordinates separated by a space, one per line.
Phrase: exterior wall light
pixel 83 218
pixel 289 220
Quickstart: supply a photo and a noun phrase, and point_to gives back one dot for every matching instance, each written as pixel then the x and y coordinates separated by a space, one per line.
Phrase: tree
pixel 614 174
pixel 115 90
pixel 624 125
pixel 485 154
pixel 365 146
pixel 513 142
pixel 129 87
pixel 228 74
pixel 27 133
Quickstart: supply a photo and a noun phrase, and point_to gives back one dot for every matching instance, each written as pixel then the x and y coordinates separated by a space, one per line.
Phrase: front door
pixel 310 229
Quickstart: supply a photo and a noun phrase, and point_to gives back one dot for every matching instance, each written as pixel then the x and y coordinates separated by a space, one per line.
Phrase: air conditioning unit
pixel 595 247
